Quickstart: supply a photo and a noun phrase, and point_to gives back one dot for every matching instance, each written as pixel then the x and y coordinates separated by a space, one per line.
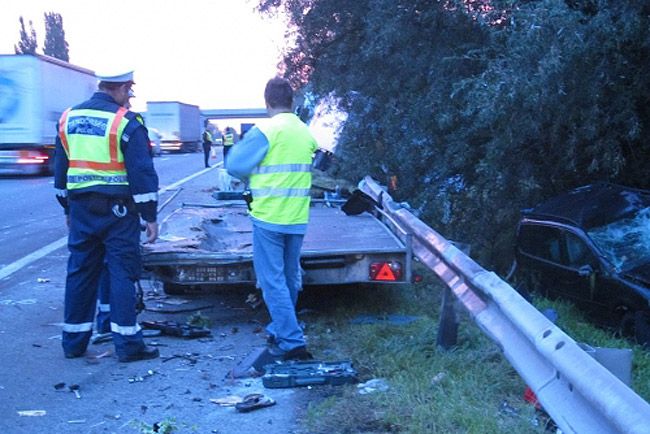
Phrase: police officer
pixel 207 142
pixel 105 179
pixel 103 320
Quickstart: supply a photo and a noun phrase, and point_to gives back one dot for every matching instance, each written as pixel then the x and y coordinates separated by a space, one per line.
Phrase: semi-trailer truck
pixel 178 124
pixel 34 91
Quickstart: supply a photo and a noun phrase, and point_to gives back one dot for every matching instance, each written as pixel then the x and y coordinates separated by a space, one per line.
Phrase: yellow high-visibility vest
pixel 228 139
pixel 280 184
pixel 91 140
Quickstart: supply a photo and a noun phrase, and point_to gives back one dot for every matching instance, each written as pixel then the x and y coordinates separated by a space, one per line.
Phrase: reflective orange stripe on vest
pixel 62 136
pixel 113 143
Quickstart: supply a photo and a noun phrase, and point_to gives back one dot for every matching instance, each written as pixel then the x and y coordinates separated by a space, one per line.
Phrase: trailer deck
pixel 228 230
pixel 212 244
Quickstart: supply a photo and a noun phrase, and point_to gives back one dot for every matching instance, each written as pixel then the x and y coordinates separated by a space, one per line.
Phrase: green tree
pixel 55 43
pixel 27 43
pixel 480 108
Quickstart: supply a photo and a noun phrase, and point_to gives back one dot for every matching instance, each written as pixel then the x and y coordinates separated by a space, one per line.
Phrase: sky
pixel 210 53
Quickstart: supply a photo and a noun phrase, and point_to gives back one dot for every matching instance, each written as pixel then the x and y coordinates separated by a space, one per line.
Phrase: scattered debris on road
pixel 32 413
pixel 374 385
pixel 74 388
pixel 254 401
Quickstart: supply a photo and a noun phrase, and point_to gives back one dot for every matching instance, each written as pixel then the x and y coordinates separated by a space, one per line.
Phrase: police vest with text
pixel 280 184
pixel 228 139
pixel 91 140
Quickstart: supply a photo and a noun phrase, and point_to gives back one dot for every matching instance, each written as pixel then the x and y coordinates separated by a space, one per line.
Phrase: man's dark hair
pixel 109 85
pixel 278 93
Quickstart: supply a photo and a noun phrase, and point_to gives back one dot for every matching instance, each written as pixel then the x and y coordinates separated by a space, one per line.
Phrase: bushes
pixel 480 108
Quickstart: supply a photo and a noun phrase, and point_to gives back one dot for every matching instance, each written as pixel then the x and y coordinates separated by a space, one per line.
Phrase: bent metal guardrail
pixel 578 393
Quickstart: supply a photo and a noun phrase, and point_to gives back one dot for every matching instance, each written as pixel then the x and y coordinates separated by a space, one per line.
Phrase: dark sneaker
pixel 146 353
pixel 73 355
pixel 298 353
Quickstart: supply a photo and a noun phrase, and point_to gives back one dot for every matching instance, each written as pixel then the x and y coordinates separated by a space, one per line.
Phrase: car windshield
pixel 625 242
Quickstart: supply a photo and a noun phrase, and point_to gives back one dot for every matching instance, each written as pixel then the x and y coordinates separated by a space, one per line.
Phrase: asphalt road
pixel 32 219
pixel 118 397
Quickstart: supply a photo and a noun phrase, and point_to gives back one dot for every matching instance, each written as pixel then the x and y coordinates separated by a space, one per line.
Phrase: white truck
pixel 34 91
pixel 178 124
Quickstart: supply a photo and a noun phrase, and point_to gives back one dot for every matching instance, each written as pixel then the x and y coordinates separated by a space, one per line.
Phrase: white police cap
pixel 115 77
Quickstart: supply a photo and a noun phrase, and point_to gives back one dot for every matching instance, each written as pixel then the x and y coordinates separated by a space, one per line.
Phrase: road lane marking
pixel 22 262
pixel 44 251
pixel 184 180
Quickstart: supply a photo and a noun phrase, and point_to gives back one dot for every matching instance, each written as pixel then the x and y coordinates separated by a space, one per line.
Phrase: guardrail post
pixel 448 326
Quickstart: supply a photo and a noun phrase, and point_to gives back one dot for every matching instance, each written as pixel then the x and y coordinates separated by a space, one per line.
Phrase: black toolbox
pixel 308 373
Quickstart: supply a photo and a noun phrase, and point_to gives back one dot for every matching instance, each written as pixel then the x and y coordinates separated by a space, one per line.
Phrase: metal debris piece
pixel 227 401
pixel 18 302
pixel 140 378
pixel 32 413
pixel 74 388
pixel 374 385
pixel 254 301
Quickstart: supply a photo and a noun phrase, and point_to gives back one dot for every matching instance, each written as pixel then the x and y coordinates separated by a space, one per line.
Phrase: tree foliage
pixel 55 43
pixel 27 43
pixel 480 107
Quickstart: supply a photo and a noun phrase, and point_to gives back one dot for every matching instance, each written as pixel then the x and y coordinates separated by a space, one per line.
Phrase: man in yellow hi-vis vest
pixel 229 139
pixel 105 180
pixel 276 157
pixel 207 142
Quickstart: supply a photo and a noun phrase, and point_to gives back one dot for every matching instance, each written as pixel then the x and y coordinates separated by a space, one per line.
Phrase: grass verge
pixel 471 389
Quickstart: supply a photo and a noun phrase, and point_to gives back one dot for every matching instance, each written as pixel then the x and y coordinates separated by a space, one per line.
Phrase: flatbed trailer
pixel 210 244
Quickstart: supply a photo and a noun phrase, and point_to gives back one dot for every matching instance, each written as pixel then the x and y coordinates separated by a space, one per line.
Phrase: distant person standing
pixel 229 139
pixel 105 179
pixel 276 157
pixel 207 142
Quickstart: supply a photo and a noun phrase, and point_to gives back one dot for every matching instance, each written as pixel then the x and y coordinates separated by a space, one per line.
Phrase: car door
pixel 579 273
pixel 560 260
pixel 539 253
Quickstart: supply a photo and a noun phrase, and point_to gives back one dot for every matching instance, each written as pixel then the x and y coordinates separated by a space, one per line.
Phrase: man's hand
pixel 151 232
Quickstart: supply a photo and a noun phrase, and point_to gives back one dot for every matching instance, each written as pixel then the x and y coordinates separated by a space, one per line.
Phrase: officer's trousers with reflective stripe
pixel 103 302
pixel 276 259
pixel 99 240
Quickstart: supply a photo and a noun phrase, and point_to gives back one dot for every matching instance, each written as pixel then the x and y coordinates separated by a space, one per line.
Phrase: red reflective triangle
pixel 385 273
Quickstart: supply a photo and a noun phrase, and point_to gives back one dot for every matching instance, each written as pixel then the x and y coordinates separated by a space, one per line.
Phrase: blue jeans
pixel 276 258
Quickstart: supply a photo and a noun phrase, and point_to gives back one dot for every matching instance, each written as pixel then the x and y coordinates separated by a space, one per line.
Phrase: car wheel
pixel 625 323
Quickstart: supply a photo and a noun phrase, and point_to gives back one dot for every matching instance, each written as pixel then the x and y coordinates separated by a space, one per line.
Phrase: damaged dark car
pixel 591 246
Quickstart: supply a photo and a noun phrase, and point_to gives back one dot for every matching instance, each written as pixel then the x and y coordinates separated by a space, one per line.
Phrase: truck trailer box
pixel 179 124
pixel 34 91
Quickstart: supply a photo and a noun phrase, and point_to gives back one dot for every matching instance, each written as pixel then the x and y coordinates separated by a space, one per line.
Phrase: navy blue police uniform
pixel 104 226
